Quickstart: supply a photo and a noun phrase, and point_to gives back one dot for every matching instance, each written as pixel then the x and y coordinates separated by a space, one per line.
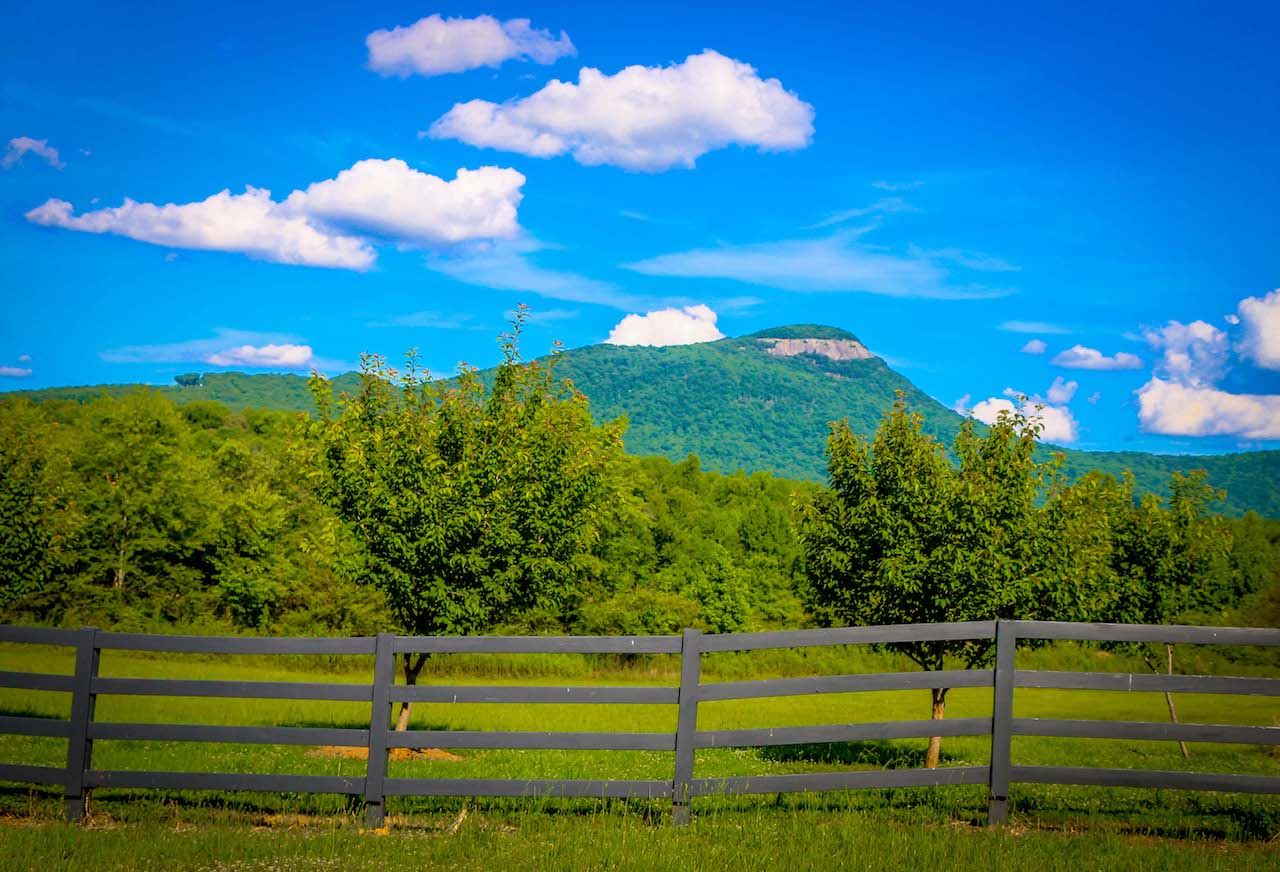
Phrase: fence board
pixel 570 741
pixel 957 630
pixel 224 781
pixel 37 681
pixel 841 733
pixel 530 788
pixel 1143 682
pixel 235 644
pixel 1147 778
pixel 38 635
pixel 1146 633
pixel 844 684
pixel 237 689
pixel 527 694
pixel 23 726
pixel 245 735
pixel 537 644
pixel 840 780
pixel 33 774
pixel 1164 732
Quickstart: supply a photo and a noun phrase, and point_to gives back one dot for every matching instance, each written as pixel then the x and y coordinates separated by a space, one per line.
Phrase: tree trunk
pixel 413 664
pixel 939 695
pixel 1168 697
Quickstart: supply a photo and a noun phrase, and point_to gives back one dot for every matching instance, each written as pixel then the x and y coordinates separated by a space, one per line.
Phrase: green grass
pixel 1125 828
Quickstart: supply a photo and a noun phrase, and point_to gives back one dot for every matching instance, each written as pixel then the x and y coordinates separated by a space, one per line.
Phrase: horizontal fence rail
pixel 382 693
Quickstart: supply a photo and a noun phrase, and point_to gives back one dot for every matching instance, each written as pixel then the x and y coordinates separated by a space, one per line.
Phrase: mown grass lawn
pixel 1052 826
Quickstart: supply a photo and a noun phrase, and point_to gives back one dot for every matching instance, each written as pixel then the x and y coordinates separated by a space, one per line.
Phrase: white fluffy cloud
pixel 1061 391
pixel 1035 346
pixel 20 145
pixel 435 45
pixel 1261 320
pixel 833 263
pixel 1056 422
pixel 14 371
pixel 389 199
pixel 1183 410
pixel 641 118
pixel 269 356
pixel 249 223
pixel 1083 357
pixel 1182 399
pixel 683 326
pixel 325 225
pixel 1193 354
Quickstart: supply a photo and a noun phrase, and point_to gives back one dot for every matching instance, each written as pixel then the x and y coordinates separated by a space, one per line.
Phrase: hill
pixel 756 402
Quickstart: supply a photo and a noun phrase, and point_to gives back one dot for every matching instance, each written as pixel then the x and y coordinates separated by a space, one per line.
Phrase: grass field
pixel 1051 826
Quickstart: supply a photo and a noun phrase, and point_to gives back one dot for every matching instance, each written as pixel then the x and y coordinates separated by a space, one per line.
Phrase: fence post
pixel 1002 723
pixel 686 724
pixel 79 745
pixel 384 676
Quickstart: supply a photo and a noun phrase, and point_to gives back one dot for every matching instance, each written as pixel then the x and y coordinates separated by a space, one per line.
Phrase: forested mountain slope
pixel 757 402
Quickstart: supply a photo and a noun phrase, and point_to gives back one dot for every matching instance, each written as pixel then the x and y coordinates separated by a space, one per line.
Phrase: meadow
pixel 1051 826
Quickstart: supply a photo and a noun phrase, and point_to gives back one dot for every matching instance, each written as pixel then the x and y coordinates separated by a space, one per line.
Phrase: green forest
pixel 737 407
pixel 497 502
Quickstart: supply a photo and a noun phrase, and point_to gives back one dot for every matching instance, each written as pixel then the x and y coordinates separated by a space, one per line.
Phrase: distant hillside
pixel 757 402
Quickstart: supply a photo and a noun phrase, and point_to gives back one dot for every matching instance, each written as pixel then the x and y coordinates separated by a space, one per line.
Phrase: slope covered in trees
pixel 739 407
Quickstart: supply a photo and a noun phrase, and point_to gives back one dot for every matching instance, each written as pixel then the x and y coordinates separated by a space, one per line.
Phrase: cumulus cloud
pixel 683 326
pixel 1195 354
pixel 1183 410
pixel 834 263
pixel 1182 398
pixel 20 145
pixel 1035 346
pixel 1261 320
pixel 642 118
pixel 1083 357
pixel 1032 327
pixel 249 223
pixel 328 224
pixel 229 348
pixel 1056 422
pixel 387 198
pixel 434 45
pixel 1061 391
pixel 268 356
pixel 14 371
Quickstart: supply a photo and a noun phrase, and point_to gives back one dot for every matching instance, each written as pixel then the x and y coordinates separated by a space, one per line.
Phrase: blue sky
pixel 1001 202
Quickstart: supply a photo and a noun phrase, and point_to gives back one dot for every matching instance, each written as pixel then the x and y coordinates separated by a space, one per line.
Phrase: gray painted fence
pixel 78 776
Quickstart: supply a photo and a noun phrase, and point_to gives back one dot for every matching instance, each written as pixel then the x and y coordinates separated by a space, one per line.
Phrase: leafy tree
pixel 472 507
pixel 902 536
pixel 28 519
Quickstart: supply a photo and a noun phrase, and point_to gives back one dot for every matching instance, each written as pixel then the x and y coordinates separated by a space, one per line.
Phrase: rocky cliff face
pixel 836 349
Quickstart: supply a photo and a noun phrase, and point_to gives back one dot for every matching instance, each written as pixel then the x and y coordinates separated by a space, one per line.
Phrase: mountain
pixel 756 402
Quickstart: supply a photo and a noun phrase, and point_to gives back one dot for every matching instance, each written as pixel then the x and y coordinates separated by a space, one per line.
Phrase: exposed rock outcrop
pixel 836 349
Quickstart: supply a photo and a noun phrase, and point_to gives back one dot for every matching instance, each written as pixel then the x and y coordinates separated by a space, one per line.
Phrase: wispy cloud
pixel 14 371
pixel 833 263
pixel 1033 327
pixel 886 206
pixel 896 186
pixel 437 320
pixel 509 266
pixel 229 348
pixel 21 145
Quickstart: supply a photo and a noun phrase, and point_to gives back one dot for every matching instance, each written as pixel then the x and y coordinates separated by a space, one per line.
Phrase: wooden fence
pixel 79 776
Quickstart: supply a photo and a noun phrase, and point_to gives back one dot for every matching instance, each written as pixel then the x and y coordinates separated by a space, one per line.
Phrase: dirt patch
pixel 395 753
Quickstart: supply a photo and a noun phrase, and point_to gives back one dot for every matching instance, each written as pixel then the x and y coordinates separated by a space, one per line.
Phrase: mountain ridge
pixel 738 403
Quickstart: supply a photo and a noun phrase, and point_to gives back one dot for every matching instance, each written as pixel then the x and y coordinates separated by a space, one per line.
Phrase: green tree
pixel 472 506
pixel 903 536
